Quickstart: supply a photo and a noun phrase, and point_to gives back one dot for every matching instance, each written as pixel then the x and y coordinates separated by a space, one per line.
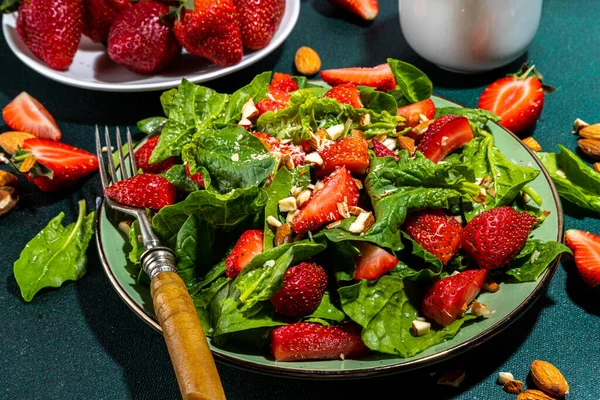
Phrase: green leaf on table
pixel 412 82
pixel 257 89
pixel 193 249
pixel 56 254
pixel 180 179
pixel 535 257
pixel 149 125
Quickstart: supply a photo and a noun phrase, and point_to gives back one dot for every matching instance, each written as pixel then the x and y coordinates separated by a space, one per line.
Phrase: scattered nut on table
pixel 307 61
pixel 7 179
pixel 549 379
pixel 8 199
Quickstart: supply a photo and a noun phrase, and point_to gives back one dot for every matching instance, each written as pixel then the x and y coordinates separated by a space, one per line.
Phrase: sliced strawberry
pixel 142 155
pixel 197 177
pixel 381 150
pixel 276 100
pixel 586 252
pixel 349 152
pixel 379 77
pixel 494 237
pixel 26 114
pixel 412 112
pixel 302 290
pixel 449 297
pixel 284 82
pixel 144 190
pixel 346 93
pixel 366 9
pixel 322 207
pixel 283 151
pixel 373 261
pixel 436 232
pixel 445 135
pixel 311 341
pixel 249 245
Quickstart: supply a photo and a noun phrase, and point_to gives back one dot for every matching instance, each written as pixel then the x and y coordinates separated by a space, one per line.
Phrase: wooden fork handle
pixel 188 348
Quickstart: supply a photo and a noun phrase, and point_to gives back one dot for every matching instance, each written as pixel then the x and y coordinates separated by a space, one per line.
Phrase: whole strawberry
pixel 302 290
pixel 140 40
pixel 51 29
pixel 436 232
pixel 211 29
pixel 260 19
pixel 494 237
pixel 98 16
pixel 144 190
pixel 142 155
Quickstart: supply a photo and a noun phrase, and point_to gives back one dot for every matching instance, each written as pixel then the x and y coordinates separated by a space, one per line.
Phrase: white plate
pixel 93 69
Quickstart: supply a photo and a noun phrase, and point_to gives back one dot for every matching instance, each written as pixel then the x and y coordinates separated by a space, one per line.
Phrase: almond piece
pixel 11 141
pixel 591 147
pixel 8 199
pixel 504 377
pixel 407 144
pixel 7 179
pixel 491 287
pixel 343 209
pixel 590 132
pixel 307 61
pixel 283 235
pixel 532 144
pixel 532 394
pixel 356 211
pixel 548 378
pixel 596 167
pixel 513 387
pixel 358 183
pixel 363 223
pixel 357 133
pixel 578 125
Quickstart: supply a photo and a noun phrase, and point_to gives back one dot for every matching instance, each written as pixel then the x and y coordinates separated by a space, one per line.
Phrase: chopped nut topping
pixel 335 131
pixel 287 204
pixel 354 210
pixel 334 224
pixel 407 144
pixel 313 158
pixel 420 328
pixel 273 222
pixel 283 235
pixel 491 287
pixel 359 184
pixel 479 309
pixel 363 223
pixel 365 120
pixel 357 133
pixel 289 218
pixel 390 143
pixel 343 209
pixel 303 197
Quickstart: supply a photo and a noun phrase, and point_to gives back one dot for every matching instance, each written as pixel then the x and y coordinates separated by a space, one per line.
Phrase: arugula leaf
pixel 137 247
pixel 56 254
pixel 180 179
pixel 412 82
pixel 149 125
pixel 193 249
pixel 478 118
pixel 385 312
pixel 257 89
pixel 327 310
pixel 534 259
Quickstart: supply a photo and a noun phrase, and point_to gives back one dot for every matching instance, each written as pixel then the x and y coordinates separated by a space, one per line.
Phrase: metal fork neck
pixel 157 260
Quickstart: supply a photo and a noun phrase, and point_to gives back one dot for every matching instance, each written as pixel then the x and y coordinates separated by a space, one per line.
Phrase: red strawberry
pixel 249 245
pixel 142 155
pixel 144 190
pixel 382 151
pixel 494 237
pixel 412 112
pixel 350 152
pixel 284 82
pixel 281 150
pixel 311 341
pixel 302 290
pixel 366 9
pixel 197 177
pixel 26 114
pixel 322 207
pixel 379 77
pixel 98 16
pixel 586 252
pixel 445 135
pixel 449 297
pixel 518 99
pixel 211 29
pixel 51 29
pixel 436 232
pixel 277 99
pixel 57 165
pixel 373 261
pixel 140 40
pixel 345 93
pixel 260 19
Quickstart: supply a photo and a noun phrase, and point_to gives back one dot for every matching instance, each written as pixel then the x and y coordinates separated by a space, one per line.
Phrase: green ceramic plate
pixel 509 303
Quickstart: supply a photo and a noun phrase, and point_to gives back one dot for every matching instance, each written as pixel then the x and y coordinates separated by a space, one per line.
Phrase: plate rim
pixel 426 361
pixel 56 76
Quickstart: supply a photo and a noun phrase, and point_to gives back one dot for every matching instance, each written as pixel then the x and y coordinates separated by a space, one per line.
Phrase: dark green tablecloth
pixel 82 342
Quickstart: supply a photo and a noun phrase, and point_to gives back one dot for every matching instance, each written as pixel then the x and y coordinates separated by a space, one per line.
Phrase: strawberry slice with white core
pixel 445 135
pixel 26 114
pixel 586 252
pixel 379 77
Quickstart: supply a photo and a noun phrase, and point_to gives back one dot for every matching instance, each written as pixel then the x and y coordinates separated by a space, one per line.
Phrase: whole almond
pixel 590 132
pixel 548 378
pixel 513 386
pixel 307 61
pixel 532 394
pixel 7 179
pixel 11 141
pixel 532 144
pixel 591 147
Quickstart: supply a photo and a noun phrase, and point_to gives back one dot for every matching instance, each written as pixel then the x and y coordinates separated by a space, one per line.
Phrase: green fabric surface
pixel 82 341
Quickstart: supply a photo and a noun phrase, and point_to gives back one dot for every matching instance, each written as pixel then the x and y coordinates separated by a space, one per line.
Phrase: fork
pixel 188 348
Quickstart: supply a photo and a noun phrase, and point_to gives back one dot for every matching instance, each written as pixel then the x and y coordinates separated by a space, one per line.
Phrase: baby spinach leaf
pixel 327 311
pixel 385 312
pixel 534 259
pixel 421 253
pixel 293 122
pixel 257 89
pixel 422 273
pixel 193 249
pixel 149 125
pixel 377 101
pixel 209 277
pixel 201 301
pixel 137 247
pixel 477 117
pixel 412 82
pixel 179 178
pixel 56 254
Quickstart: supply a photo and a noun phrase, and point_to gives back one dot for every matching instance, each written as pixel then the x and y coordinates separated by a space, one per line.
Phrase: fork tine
pixel 122 164
pixel 101 168
pixel 111 163
pixel 131 155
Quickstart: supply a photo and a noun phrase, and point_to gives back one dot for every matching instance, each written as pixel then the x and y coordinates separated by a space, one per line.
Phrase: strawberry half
pixel 349 152
pixel 381 150
pixel 445 135
pixel 436 232
pixel 249 245
pixel 277 99
pixel 346 93
pixel 311 341
pixel 142 155
pixel 412 112
pixel 26 114
pixel 586 252
pixel 144 191
pixel 494 237
pixel 366 9
pixel 281 150
pixel 302 290
pixel 449 297
pixel 518 99
pixel 379 77
pixel 197 177
pixel 284 82
pixel 322 207
pixel 373 261
pixel 259 21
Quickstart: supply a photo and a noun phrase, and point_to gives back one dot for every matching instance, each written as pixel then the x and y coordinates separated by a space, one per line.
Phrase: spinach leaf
pixel 201 301
pixel 257 89
pixel 534 259
pixel 377 101
pixel 575 181
pixel 402 270
pixel 193 248
pixel 412 82
pixel 339 256
pixel 166 100
pixel 180 179
pixel 209 277
pixel 327 311
pixel 477 117
pixel 137 247
pixel 229 159
pixel 191 108
pixel 149 125
pixel 56 254
pixel 421 253
pixel 385 312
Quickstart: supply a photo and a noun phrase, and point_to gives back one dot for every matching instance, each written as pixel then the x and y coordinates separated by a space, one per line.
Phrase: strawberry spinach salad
pixel 318 222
